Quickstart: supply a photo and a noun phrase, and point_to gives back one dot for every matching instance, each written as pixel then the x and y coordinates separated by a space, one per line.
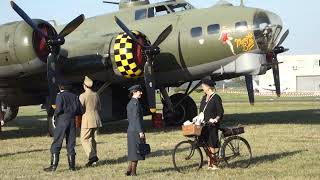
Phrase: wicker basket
pixel 191 130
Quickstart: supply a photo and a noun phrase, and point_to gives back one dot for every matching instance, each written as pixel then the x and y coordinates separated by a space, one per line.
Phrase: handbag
pixel 143 149
pixel 200 118
pixel 78 121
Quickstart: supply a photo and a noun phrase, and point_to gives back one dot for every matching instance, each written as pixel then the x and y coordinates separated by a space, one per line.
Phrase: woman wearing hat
pixel 90 121
pixel 211 106
pixel 135 131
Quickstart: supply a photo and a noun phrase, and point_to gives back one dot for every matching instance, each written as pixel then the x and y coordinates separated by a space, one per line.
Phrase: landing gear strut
pixel 179 107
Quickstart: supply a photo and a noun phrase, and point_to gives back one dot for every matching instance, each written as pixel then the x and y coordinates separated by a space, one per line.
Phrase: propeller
pixel 150 52
pixel 53 43
pixel 250 90
pixel 275 63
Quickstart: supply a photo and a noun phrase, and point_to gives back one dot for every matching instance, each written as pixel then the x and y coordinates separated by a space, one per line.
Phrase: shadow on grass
pixel 22 152
pixel 273 157
pixel 33 126
pixel 124 159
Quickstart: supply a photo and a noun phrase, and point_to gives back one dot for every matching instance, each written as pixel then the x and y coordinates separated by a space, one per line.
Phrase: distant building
pixel 298 73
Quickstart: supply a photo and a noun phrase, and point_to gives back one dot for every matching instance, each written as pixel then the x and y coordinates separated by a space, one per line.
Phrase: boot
pixel 54 163
pixel 128 173
pixel 72 162
pixel 134 165
pixel 214 163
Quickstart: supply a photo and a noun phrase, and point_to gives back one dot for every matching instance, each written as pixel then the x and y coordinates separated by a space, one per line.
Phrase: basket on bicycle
pixel 191 130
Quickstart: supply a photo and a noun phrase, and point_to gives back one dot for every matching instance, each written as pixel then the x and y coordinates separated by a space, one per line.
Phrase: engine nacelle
pixel 22 50
pixel 128 56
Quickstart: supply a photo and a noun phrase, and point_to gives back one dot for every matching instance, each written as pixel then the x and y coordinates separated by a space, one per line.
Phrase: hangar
pixel 298 73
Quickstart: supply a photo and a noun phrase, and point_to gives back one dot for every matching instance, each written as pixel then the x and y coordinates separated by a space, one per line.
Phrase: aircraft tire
pixel 10 113
pixel 186 110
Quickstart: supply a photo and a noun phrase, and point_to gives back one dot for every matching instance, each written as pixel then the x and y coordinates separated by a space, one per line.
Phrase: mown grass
pixel 284 137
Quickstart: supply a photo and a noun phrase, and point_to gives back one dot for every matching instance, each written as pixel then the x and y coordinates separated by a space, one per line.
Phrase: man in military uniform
pixel 90 121
pixel 67 107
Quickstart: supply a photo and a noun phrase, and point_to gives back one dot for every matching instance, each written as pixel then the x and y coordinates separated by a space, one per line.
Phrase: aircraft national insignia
pixel 128 55
pixel 246 43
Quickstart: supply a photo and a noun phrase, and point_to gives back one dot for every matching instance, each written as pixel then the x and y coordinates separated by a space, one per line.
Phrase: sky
pixel 300 17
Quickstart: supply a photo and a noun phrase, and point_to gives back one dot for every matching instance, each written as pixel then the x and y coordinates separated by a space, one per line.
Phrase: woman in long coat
pixel 135 132
pixel 211 106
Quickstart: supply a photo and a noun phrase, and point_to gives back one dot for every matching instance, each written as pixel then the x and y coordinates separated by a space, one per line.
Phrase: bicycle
pixel 235 151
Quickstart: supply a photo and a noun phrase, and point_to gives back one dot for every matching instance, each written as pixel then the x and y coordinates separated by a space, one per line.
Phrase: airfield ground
pixel 283 134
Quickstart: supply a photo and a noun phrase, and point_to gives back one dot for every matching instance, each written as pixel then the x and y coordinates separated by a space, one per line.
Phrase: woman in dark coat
pixel 211 106
pixel 135 132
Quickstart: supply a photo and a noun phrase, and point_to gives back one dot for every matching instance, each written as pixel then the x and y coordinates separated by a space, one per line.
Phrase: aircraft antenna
pixel 110 2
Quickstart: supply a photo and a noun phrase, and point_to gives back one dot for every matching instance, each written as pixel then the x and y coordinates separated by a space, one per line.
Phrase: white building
pixel 298 73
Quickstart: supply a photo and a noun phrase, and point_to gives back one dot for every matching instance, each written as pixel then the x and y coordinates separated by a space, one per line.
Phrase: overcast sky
pixel 301 17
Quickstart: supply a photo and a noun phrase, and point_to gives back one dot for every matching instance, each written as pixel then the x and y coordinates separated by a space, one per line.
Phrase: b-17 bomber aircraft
pixel 157 45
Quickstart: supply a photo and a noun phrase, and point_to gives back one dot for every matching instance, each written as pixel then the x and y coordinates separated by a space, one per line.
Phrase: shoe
pixel 92 161
pixel 128 173
pixel 213 167
pixel 54 163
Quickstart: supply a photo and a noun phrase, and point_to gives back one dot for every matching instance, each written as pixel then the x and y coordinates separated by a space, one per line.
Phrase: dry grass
pixel 284 138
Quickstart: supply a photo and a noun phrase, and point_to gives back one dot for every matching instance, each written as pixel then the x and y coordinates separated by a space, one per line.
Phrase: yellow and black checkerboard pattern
pixel 124 56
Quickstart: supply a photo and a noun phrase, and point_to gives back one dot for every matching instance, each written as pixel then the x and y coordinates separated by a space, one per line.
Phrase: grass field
pixel 284 137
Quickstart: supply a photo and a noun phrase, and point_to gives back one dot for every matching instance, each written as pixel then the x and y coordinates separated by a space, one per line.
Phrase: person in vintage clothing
pixel 135 131
pixel 67 107
pixel 90 121
pixel 211 106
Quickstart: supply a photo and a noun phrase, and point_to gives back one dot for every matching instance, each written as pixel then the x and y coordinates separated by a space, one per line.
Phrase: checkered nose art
pixel 128 55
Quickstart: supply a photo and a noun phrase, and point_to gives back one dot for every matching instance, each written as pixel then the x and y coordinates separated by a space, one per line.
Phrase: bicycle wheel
pixel 186 157
pixel 236 152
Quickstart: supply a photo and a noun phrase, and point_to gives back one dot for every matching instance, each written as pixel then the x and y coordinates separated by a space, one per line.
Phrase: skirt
pixel 210 135
pixel 133 141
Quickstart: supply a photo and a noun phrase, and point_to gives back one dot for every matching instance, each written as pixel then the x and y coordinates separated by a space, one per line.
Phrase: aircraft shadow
pixel 281 117
pixel 35 126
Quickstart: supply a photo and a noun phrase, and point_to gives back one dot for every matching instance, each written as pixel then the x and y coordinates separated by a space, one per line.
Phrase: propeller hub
pixel 278 50
pixel 56 42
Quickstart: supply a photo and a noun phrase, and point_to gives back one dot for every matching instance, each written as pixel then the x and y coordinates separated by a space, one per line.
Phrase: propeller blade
pixel 127 31
pixel 74 24
pixel 26 18
pixel 276 77
pixel 163 36
pixel 250 88
pixel 52 77
pixel 110 2
pixel 283 37
pixel 150 86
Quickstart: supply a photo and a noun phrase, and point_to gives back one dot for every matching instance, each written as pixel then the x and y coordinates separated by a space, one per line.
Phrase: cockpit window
pixel 241 26
pixel 266 27
pixel 158 11
pixel 180 7
pixel 150 12
pixel 140 14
